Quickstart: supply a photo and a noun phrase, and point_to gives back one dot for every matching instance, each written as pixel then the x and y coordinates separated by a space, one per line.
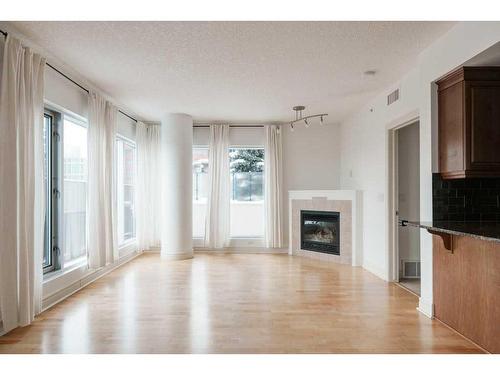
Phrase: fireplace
pixel 320 231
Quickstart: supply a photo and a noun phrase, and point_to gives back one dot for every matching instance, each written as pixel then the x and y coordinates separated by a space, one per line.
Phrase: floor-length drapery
pixel 273 187
pixel 148 185
pixel 218 207
pixel 21 184
pixel 101 155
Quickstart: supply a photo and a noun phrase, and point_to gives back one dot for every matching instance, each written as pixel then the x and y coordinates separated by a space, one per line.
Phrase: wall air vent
pixel 411 269
pixel 393 97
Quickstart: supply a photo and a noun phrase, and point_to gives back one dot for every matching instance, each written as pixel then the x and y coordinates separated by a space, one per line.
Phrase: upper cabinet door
pixel 451 128
pixel 469 123
pixel 484 125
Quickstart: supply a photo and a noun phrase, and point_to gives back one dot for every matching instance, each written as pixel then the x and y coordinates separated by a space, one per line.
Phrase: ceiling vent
pixel 393 97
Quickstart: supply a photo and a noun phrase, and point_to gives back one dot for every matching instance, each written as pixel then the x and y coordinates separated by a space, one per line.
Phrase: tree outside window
pixel 247 169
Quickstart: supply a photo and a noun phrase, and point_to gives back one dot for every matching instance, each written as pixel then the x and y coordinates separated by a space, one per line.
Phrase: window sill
pixel 50 276
pixel 59 280
pixel 127 248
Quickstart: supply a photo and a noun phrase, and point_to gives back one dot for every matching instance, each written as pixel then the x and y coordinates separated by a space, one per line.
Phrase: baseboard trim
pixel 181 256
pixel 59 296
pixel 241 250
pixel 154 249
pixel 228 250
pixel 465 337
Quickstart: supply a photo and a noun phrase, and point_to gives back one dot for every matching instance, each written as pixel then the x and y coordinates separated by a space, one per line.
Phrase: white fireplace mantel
pixel 354 197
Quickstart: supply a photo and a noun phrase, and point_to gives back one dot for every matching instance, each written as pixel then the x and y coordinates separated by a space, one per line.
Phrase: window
pixel 75 191
pixel 200 190
pixel 125 194
pixel 247 193
pixel 65 155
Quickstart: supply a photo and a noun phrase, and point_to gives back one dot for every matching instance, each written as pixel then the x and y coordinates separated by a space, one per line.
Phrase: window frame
pixel 52 192
pixel 55 178
pixel 123 246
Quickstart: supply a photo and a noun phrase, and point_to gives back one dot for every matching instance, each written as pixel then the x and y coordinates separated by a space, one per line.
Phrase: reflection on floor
pixel 411 284
pixel 236 303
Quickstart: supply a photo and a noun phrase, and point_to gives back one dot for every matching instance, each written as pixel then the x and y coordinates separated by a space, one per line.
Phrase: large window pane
pixel 200 188
pixel 74 191
pixel 126 171
pixel 247 192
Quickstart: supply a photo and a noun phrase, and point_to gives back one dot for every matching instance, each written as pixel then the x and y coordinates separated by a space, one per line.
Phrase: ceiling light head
pixel 291 126
pixel 298 111
pixel 371 72
pixel 321 120
pixel 307 123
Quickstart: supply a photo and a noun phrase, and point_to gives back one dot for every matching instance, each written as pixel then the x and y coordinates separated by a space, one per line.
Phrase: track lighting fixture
pixel 298 117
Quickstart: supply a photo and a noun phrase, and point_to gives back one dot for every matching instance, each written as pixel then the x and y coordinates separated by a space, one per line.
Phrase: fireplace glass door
pixel 320 231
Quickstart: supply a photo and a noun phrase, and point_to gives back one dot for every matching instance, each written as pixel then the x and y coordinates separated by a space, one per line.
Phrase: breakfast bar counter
pixel 466 278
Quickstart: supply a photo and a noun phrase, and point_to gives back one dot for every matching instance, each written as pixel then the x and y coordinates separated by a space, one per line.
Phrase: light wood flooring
pixel 411 284
pixel 244 303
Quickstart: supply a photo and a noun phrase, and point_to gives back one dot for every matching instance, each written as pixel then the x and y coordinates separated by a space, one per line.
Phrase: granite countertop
pixel 486 230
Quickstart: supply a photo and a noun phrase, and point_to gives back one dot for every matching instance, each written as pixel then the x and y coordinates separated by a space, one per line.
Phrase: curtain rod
pixel 203 125
pixel 73 81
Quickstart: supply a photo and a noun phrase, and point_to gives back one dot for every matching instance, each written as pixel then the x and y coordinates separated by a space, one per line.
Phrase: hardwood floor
pixel 411 284
pixel 245 303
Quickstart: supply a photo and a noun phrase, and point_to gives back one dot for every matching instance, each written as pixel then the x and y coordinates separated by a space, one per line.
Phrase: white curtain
pixel 218 207
pixel 273 187
pixel 148 185
pixel 101 154
pixel 21 185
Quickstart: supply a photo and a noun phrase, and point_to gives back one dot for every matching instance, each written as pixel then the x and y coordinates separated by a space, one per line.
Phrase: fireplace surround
pixel 347 203
pixel 320 231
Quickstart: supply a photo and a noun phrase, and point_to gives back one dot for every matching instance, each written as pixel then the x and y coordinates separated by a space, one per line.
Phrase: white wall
pixel 125 126
pixel 251 136
pixel 60 92
pixel 63 94
pixel 311 161
pixel 408 190
pixel 364 144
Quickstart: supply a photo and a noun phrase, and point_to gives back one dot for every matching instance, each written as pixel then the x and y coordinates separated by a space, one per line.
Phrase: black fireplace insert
pixel 320 231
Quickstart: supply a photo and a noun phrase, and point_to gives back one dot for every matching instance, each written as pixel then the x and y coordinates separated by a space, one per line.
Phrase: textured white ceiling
pixel 237 71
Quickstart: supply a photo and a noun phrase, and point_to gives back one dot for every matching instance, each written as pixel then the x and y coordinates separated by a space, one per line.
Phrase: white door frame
pixel 392 225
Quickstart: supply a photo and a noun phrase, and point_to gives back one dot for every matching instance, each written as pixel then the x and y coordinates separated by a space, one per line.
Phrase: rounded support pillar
pixel 177 186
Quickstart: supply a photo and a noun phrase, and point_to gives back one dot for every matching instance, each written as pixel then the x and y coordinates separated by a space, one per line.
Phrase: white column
pixel 177 189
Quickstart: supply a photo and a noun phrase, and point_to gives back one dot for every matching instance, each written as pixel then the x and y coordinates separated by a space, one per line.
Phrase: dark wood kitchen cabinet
pixel 469 123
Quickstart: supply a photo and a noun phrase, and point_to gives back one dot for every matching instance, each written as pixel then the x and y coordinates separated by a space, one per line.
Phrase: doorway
pixel 407 205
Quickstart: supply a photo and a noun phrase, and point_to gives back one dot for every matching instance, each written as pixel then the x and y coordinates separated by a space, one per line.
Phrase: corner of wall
pixel 377 271
pixel 426 307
